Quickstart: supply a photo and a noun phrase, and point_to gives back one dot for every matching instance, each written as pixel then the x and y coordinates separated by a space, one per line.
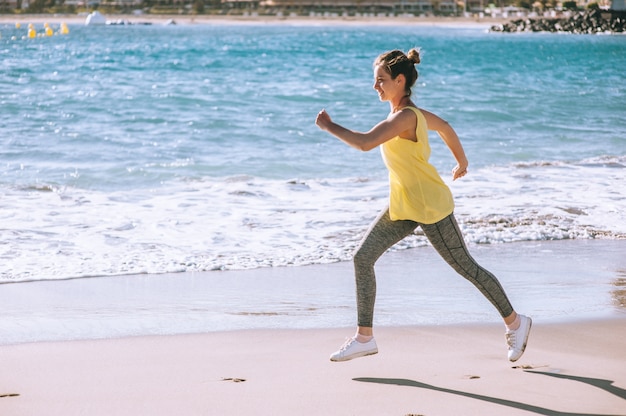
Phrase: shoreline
pixel 74 19
pixel 567 369
pixel 552 281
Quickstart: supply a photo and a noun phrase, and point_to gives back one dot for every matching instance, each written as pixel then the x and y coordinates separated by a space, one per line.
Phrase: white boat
pixel 95 18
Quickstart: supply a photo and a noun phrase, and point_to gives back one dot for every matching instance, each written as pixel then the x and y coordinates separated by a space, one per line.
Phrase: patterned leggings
pixel 446 238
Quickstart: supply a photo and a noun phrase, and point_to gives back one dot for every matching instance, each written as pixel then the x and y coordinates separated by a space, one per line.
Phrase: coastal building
pixel 7 5
pixel 349 6
pixel 241 4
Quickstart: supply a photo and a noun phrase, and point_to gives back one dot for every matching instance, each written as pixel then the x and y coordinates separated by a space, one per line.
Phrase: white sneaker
pixel 354 349
pixel 517 339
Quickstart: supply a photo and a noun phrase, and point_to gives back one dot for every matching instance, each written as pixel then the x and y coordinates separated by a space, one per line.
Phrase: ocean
pixel 163 149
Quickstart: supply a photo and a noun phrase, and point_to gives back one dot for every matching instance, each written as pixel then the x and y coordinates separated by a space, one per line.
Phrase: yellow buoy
pixel 49 31
pixel 18 25
pixel 32 33
pixel 64 30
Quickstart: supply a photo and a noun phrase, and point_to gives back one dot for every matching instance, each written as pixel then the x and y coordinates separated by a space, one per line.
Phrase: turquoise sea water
pixel 150 149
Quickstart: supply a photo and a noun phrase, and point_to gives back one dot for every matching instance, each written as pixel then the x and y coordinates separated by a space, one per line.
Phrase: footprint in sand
pixel 234 379
pixel 529 366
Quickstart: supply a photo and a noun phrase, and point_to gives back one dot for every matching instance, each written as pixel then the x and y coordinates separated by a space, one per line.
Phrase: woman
pixel 418 198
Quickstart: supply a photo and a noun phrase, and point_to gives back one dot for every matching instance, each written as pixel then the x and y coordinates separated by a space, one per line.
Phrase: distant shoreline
pixel 466 22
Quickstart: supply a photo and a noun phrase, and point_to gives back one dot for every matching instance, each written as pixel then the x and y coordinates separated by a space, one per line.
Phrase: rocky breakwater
pixel 590 21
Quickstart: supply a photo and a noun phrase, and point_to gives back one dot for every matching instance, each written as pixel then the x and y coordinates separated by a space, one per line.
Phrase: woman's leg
pixel 447 239
pixel 382 234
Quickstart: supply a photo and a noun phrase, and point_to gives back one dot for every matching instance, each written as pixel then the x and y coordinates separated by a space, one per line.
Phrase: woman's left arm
pixel 450 138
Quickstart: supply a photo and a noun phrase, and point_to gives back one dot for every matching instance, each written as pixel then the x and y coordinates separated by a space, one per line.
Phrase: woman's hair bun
pixel 414 56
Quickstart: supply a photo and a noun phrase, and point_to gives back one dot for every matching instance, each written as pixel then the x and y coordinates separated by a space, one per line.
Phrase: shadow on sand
pixel 606 385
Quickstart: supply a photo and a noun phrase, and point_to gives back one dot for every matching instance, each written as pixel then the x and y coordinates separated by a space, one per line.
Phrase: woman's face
pixel 386 87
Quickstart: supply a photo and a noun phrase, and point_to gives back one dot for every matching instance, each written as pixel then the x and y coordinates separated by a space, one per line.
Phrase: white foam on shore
pixel 244 222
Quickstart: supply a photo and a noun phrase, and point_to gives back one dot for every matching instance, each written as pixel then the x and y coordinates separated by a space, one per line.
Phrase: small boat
pixel 95 18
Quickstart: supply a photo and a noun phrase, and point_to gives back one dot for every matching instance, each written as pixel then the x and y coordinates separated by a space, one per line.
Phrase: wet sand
pixel 574 363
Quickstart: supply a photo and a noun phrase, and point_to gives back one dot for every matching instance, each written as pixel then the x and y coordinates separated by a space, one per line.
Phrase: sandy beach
pixel 569 369
pixel 79 19
pixel 574 364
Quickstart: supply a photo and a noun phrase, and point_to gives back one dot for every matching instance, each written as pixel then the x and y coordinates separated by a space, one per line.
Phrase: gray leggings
pixel 446 238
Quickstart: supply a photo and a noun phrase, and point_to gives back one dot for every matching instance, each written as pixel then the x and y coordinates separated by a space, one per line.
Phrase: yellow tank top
pixel 416 191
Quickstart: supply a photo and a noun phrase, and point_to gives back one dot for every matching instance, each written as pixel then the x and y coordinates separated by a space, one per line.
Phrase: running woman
pixel 418 197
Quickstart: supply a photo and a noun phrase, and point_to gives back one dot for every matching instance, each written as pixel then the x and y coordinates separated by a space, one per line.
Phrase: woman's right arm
pixel 379 134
